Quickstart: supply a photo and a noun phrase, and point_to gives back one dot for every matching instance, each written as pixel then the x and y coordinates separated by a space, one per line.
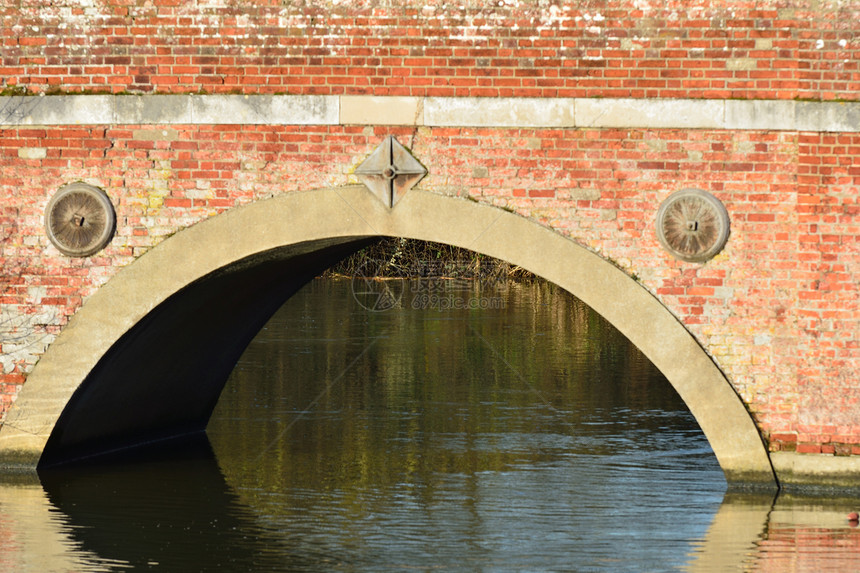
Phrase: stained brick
pixel 778 308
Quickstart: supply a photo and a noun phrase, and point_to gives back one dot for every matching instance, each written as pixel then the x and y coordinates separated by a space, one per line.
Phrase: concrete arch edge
pixel 350 213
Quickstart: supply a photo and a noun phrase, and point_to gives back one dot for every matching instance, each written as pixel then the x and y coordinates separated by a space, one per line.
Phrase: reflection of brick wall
pixel 611 48
pixel 806 544
pixel 778 309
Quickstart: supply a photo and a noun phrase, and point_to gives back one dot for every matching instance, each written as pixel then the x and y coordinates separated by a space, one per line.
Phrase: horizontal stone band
pixel 781 115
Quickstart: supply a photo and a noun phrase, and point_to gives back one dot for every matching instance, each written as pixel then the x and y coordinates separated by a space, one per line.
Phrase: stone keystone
pixel 390 171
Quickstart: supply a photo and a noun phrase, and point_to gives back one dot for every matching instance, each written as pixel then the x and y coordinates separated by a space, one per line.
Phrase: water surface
pixel 527 435
pixel 453 426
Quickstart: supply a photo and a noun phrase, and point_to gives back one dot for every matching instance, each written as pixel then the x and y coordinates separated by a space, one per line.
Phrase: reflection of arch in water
pixel 165 509
pixel 146 357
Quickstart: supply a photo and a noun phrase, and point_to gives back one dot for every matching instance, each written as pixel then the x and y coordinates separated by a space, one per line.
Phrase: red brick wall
pixel 778 309
pixel 770 49
pixel 829 303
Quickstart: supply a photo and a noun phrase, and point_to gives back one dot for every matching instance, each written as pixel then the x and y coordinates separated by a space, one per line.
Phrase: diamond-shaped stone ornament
pixel 390 171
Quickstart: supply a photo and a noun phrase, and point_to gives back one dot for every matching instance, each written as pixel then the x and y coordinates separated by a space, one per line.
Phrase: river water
pixel 427 425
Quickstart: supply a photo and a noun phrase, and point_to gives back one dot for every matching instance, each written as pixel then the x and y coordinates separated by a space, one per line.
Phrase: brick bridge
pixel 227 139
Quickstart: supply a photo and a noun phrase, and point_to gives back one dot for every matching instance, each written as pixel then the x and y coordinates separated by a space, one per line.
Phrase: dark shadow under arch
pixel 183 351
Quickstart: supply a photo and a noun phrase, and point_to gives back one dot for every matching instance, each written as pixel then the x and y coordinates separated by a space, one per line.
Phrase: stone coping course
pixel 778 115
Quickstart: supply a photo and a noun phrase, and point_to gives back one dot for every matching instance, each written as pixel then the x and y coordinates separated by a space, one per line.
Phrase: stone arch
pixel 124 371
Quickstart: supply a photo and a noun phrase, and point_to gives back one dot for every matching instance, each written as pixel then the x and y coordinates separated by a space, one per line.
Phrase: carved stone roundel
pixel 692 225
pixel 80 220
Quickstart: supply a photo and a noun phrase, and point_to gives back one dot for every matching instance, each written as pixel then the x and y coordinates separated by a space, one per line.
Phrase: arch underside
pixel 146 357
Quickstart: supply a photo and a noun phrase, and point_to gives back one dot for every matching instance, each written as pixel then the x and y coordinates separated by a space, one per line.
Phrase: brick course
pixel 609 48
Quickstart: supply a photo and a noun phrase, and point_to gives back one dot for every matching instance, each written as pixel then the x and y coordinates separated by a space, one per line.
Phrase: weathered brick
pixel 522 51
pixel 777 309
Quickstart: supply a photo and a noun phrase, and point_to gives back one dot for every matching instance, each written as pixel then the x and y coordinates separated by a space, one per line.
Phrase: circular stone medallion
pixel 692 225
pixel 80 220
